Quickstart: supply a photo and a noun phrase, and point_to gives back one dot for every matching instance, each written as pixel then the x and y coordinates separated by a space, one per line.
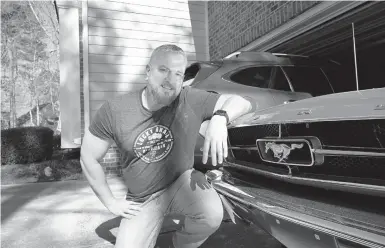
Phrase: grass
pixel 60 168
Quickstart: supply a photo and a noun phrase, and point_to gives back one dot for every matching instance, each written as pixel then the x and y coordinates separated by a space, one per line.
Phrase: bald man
pixel 155 130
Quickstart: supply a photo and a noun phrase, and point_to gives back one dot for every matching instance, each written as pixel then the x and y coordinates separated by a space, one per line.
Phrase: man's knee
pixel 213 213
pixel 214 219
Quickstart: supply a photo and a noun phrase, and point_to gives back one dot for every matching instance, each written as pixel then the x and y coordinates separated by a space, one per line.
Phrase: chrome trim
pixel 251 148
pixel 314 120
pixel 330 84
pixel 374 190
pixel 327 152
pixel 291 141
pixel 332 228
pixel 287 78
pixel 289 55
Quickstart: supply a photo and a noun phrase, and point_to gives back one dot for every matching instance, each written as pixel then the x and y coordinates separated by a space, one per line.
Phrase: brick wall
pixel 111 162
pixel 234 24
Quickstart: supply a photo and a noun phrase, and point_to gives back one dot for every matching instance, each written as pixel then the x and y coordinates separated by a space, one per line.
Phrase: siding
pixel 121 36
pixel 123 33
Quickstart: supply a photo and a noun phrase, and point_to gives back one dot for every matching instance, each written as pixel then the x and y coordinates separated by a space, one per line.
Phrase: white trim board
pixel 86 84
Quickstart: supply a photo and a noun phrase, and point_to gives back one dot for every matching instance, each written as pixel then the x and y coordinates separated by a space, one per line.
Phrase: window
pixel 279 81
pixel 253 76
pixel 308 79
pixel 198 72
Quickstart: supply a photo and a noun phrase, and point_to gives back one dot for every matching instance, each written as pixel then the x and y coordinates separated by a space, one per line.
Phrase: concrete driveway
pixel 68 214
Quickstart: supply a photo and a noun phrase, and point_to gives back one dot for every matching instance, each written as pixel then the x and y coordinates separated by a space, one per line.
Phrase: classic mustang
pixel 335 141
pixel 265 79
pixel 312 172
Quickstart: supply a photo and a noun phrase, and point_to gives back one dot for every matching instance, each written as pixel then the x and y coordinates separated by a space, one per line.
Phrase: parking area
pixel 68 214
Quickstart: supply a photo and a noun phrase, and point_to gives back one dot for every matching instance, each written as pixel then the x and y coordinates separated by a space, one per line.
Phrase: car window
pixel 253 76
pixel 279 81
pixel 308 79
pixel 198 72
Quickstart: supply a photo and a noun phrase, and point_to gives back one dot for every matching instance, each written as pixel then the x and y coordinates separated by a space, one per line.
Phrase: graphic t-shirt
pixel 156 147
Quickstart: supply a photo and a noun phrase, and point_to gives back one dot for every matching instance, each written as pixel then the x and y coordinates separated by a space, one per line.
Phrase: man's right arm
pixel 93 149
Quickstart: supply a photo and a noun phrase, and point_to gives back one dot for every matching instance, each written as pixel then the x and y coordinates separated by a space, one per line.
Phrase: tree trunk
pixel 37 113
pixel 12 100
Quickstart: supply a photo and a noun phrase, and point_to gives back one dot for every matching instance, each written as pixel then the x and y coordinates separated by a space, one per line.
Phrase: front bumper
pixel 293 218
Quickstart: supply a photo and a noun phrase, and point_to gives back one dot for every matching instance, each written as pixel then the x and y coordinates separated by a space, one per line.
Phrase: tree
pixel 30 55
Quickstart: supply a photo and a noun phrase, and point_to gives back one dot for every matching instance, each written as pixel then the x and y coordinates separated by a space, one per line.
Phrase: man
pixel 155 130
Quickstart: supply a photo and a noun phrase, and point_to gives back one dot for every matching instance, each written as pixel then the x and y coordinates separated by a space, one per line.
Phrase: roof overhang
pixel 319 14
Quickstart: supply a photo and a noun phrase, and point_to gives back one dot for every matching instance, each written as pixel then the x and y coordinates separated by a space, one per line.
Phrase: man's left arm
pixel 216 131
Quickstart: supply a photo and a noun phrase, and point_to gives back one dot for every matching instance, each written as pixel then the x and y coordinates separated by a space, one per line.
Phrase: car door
pixel 281 89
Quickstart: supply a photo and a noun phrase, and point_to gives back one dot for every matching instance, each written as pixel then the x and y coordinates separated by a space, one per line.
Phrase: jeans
pixel 191 196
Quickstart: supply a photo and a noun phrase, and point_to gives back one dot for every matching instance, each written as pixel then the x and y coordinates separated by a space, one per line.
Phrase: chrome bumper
pixel 292 228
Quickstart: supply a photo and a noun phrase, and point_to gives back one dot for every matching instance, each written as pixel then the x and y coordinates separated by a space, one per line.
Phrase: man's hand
pixel 215 140
pixel 124 208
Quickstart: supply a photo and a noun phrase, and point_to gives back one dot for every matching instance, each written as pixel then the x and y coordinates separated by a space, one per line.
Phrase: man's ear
pixel 148 68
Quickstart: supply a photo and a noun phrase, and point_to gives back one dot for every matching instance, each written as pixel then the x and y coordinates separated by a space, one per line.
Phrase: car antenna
pixel 355 57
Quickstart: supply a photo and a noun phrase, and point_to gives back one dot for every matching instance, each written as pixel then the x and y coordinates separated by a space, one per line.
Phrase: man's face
pixel 165 76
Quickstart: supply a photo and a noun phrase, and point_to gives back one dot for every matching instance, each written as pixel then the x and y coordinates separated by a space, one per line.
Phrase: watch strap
pixel 222 113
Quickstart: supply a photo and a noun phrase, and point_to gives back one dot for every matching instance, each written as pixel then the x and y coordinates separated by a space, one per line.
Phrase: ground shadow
pixel 169 226
pixel 104 229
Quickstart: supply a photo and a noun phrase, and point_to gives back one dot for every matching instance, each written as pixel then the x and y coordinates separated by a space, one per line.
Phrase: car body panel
pixel 364 104
pixel 282 97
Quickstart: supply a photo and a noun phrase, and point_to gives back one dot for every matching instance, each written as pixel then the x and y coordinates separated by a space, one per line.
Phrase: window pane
pixel 308 79
pixel 280 81
pixel 253 76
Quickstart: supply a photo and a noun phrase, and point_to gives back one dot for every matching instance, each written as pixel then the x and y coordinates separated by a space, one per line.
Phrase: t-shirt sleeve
pixel 102 125
pixel 202 102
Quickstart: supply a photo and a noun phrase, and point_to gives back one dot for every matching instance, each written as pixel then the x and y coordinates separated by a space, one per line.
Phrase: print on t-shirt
pixel 154 144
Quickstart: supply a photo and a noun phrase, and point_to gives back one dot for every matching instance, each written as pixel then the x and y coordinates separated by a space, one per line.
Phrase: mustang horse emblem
pixel 281 151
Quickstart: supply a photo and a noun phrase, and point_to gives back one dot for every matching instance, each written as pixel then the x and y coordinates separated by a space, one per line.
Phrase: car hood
pixel 365 104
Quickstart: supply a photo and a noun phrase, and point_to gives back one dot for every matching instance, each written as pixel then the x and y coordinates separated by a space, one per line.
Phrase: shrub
pixel 56 142
pixel 26 145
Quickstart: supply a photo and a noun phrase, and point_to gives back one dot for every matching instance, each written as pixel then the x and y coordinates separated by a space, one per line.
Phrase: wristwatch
pixel 222 113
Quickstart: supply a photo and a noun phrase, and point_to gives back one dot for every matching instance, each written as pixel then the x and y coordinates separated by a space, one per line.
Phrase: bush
pixel 56 142
pixel 60 170
pixel 26 145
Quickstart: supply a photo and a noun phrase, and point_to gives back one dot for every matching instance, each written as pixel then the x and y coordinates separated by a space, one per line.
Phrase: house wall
pixel 233 24
pixel 121 36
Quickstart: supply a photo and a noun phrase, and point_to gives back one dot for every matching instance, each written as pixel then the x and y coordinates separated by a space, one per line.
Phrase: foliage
pixel 26 145
pixel 61 170
pixel 30 57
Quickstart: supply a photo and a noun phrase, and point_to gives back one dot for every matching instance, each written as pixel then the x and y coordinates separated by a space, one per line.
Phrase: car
pixel 311 173
pixel 265 79
pixel 334 141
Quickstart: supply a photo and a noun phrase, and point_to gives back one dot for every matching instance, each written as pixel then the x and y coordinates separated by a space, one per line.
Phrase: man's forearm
pixel 236 106
pixel 96 177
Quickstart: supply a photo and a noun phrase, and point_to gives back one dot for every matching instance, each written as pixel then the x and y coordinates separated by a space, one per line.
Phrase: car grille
pixel 365 133
pixel 246 136
pixel 341 135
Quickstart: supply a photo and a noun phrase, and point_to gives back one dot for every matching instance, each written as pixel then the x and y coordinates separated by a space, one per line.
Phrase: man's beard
pixel 162 96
